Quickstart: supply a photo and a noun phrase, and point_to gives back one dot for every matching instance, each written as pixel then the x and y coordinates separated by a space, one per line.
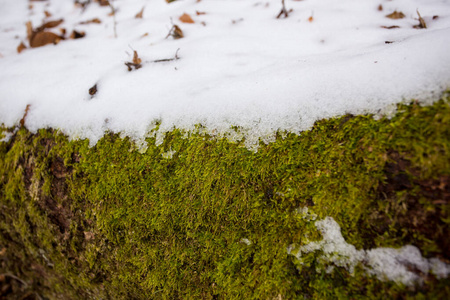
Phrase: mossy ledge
pixel 205 218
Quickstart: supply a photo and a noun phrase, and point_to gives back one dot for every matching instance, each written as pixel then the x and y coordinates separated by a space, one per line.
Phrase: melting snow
pixel 238 64
pixel 385 263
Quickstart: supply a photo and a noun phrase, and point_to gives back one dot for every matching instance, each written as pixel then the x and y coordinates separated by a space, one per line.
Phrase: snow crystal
pixel 402 265
pixel 238 65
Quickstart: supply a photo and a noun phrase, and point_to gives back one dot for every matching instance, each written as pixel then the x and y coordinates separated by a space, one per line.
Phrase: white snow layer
pixel 238 64
pixel 400 265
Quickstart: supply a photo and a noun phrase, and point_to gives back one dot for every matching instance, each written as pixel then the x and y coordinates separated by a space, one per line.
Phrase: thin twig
pixel 16 278
pixel 113 11
pixel 168 59
pixel 283 10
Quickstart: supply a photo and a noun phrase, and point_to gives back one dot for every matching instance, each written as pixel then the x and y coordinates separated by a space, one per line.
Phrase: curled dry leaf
pixel 95 21
pixel 77 34
pixel 47 14
pixel 50 24
pixel 380 7
pixel 396 15
pixel 136 59
pixel 140 14
pixel 93 91
pixel 390 27
pixel 43 38
pixel 136 63
pixel 422 24
pixel 175 32
pixel 199 13
pixel 21 47
pixel 103 2
pixel 310 19
pixel 185 18
pixel 29 30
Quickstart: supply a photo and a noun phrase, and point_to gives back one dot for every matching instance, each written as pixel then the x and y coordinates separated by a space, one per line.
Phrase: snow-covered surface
pixel 238 64
pixel 404 265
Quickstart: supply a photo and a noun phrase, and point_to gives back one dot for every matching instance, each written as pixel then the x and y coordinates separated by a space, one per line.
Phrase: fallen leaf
pixel 390 27
pixel 144 35
pixel 140 14
pixel 388 42
pixel 136 59
pixel 103 2
pixel 136 63
pixel 21 47
pixel 185 18
pixel 47 14
pixel 175 32
pixel 435 17
pixel 29 30
pixel 77 34
pixel 3 252
pixel 43 38
pixel 396 15
pixel 63 31
pixel 95 20
pixel 310 19
pixel 50 24
pixel 422 24
pixel 200 13
pixel 93 90
pixel 380 7
pixel 22 121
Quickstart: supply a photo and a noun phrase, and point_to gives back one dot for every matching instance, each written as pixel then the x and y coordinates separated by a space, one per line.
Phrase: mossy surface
pixel 204 218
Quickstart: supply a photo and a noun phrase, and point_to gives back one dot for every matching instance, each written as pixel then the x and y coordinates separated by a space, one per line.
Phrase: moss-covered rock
pixel 200 217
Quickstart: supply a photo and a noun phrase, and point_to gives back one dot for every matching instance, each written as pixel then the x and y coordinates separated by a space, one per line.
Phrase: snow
pixel 385 263
pixel 238 65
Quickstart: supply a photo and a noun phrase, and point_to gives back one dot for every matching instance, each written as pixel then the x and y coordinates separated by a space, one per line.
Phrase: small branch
pixel 16 278
pixel 113 12
pixel 283 11
pixel 168 59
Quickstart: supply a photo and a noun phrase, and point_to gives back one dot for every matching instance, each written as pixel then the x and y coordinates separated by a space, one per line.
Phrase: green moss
pixel 175 221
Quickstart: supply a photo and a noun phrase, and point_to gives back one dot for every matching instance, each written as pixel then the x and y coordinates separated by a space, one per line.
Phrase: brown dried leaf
pixel 95 20
pixel 136 63
pixel 50 24
pixel 21 47
pixel 140 14
pixel 93 90
pixel 43 38
pixel 22 121
pixel 422 23
pixel 380 7
pixel 390 27
pixel 175 32
pixel 310 19
pixel 29 30
pixel 136 59
pixel 77 34
pixel 199 13
pixel 396 15
pixel 185 18
pixel 103 2
pixel 47 14
pixel 435 17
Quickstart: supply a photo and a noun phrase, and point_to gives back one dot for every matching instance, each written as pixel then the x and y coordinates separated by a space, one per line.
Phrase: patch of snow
pixel 246 241
pixel 7 137
pixel 385 263
pixel 306 214
pixel 168 154
pixel 238 65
